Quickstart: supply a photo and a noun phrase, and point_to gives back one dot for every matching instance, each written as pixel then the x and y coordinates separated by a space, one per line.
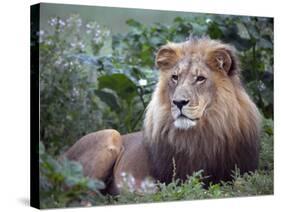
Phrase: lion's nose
pixel 180 103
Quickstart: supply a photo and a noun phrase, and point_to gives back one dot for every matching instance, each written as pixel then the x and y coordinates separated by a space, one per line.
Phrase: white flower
pixel 148 186
pixel 123 174
pixel 142 82
pixel 78 22
pixel 261 86
pixel 61 22
pixel 53 21
pixel 73 45
pixel 208 20
pixel 58 61
pixel 49 42
pixel 98 32
pixel 75 92
pixel 81 45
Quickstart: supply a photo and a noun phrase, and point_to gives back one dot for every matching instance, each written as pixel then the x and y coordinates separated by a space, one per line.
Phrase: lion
pixel 199 118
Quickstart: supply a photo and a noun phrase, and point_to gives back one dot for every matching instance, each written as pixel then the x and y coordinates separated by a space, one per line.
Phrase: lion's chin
pixel 184 123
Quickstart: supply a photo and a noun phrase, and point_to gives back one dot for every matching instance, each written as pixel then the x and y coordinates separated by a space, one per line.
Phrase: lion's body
pixel 106 157
pixel 199 118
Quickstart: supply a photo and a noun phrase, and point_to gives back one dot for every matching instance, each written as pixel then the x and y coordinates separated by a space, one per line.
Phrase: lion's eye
pixel 200 79
pixel 175 77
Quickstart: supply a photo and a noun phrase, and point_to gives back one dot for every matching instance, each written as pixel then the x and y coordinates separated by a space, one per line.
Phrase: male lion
pixel 199 118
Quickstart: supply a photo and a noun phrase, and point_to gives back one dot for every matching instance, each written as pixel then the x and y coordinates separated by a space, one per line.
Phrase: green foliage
pixel 121 84
pixel 68 104
pixel 266 153
pixel 62 183
pixel 92 80
pixel 82 91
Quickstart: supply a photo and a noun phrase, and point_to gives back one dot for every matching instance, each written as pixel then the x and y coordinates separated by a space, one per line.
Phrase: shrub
pixel 62 183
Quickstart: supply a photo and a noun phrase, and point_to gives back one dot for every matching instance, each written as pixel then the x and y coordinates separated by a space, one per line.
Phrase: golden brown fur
pixel 200 117
pixel 97 166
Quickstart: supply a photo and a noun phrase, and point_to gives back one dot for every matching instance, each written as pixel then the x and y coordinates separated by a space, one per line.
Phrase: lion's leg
pixel 132 166
pixel 97 152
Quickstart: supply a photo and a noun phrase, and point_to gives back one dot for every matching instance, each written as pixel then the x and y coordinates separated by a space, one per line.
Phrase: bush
pixel 62 183
pixel 91 80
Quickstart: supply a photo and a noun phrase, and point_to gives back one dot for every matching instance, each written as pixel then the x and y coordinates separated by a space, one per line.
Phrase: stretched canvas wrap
pixel 135 106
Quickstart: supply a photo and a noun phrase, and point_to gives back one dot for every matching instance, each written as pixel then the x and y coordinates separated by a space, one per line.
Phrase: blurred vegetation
pixel 91 80
pixel 62 182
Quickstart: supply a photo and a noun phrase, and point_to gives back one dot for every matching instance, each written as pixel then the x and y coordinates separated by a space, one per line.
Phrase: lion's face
pixel 190 72
pixel 191 89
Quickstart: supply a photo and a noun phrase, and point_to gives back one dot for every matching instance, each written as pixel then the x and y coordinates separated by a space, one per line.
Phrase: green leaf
pixel 121 84
pixel 198 29
pixel 178 19
pixel 71 168
pixel 109 98
pixel 214 31
pixel 253 31
pixel 265 43
pixel 156 41
pixel 71 181
pixel 95 184
pixel 133 23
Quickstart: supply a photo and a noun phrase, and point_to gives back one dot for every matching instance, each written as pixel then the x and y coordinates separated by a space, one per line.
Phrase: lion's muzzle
pixel 185 114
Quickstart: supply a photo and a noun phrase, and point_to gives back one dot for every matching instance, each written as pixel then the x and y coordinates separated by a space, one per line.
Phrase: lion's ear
pixel 223 60
pixel 166 57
